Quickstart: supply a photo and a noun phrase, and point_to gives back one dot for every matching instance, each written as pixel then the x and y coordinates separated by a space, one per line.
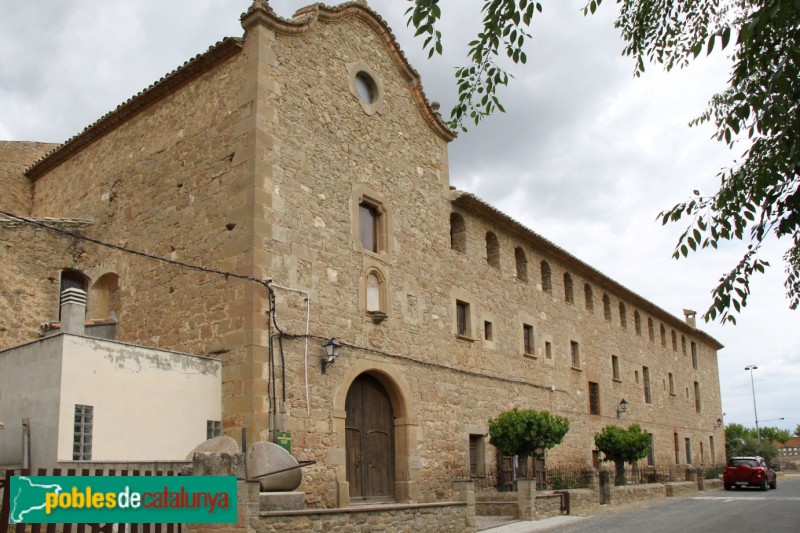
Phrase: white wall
pixel 29 388
pixel 148 404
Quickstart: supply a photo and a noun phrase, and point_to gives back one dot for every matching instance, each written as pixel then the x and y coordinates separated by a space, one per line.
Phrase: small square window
pixel 213 429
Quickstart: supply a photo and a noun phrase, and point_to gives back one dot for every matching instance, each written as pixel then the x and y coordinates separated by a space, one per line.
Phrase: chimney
pixel 689 316
pixel 73 311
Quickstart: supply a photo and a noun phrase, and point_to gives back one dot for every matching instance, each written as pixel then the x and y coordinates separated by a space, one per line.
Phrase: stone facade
pixel 256 158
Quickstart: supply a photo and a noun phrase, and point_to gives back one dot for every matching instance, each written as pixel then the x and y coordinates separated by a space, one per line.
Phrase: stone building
pixel 306 153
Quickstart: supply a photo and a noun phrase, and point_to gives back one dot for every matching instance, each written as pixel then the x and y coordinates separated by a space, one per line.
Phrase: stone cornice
pixel 136 104
pixel 305 19
pixel 474 205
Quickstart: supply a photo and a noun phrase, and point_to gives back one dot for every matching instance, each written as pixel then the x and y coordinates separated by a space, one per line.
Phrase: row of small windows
pixel 594 389
pixel 458 242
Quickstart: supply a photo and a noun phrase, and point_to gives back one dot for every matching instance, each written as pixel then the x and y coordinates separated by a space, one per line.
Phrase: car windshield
pixel 743 462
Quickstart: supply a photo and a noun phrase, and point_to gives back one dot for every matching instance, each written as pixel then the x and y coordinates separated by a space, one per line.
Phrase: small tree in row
pixel 527 432
pixel 622 446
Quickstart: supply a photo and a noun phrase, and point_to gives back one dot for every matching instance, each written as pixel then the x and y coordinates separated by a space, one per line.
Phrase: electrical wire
pixel 266 283
pixel 188 266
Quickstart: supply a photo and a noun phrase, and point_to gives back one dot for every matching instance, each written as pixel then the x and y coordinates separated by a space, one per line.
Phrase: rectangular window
pixel 368 226
pixel 82 435
pixel 688 450
pixel 677 449
pixel 651 458
pixel 477 456
pixel 646 378
pixel 548 350
pixel 575 350
pixel 213 429
pixel 462 318
pixel 636 376
pixel 694 356
pixel 615 367
pixel 527 339
pixel 702 454
pixel 487 330
pixel 697 405
pixel 594 398
pixel 671 384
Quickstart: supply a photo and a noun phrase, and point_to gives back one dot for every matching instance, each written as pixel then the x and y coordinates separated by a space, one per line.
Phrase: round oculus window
pixel 365 87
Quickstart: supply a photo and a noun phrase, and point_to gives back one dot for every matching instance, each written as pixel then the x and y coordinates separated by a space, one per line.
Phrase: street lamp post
pixel 753 387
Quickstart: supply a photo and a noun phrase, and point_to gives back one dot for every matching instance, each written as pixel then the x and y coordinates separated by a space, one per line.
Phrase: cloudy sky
pixel 586 154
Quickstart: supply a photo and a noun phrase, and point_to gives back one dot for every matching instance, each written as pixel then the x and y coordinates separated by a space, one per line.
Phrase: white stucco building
pixel 70 397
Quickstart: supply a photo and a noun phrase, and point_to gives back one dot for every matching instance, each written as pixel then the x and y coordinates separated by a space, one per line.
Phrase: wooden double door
pixel 370 440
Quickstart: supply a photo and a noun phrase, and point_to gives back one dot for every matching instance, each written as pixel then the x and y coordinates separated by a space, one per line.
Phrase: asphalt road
pixel 747 510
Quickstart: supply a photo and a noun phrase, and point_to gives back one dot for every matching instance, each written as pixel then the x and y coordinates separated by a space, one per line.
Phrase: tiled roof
pixel 136 104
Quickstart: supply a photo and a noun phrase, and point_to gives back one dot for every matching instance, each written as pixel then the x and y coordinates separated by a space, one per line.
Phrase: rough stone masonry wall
pixel 15 157
pixel 635 493
pixel 440 518
pixel 30 259
pixel 326 148
pixel 498 296
pixel 172 181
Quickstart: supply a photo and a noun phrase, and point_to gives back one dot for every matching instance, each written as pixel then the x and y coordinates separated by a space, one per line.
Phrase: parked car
pixel 749 472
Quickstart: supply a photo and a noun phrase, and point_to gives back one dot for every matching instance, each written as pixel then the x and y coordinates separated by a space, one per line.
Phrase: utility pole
pixel 752 386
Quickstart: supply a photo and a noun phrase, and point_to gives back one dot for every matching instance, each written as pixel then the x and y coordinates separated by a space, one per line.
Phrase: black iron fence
pixel 561 478
pixel 565 477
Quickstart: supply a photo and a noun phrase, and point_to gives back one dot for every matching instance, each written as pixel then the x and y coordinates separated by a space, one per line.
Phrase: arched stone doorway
pixel 375 425
pixel 369 428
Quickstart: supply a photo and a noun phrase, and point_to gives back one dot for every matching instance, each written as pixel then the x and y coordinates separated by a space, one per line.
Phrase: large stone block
pixel 273 467
pixel 223 444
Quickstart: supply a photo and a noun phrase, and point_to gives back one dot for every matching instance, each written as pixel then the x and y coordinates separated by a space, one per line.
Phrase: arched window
pixel 569 296
pixel 492 250
pixel 587 295
pixel 373 292
pixel 547 283
pixel 674 341
pixel 522 264
pixel 104 300
pixel 623 316
pixel 651 329
pixel 458 233
pixel 683 344
pixel 663 336
pixel 637 322
pixel 606 306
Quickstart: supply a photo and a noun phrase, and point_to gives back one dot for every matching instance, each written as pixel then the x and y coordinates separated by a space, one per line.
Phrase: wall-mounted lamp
pixel 719 422
pixel 332 348
pixel 622 407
